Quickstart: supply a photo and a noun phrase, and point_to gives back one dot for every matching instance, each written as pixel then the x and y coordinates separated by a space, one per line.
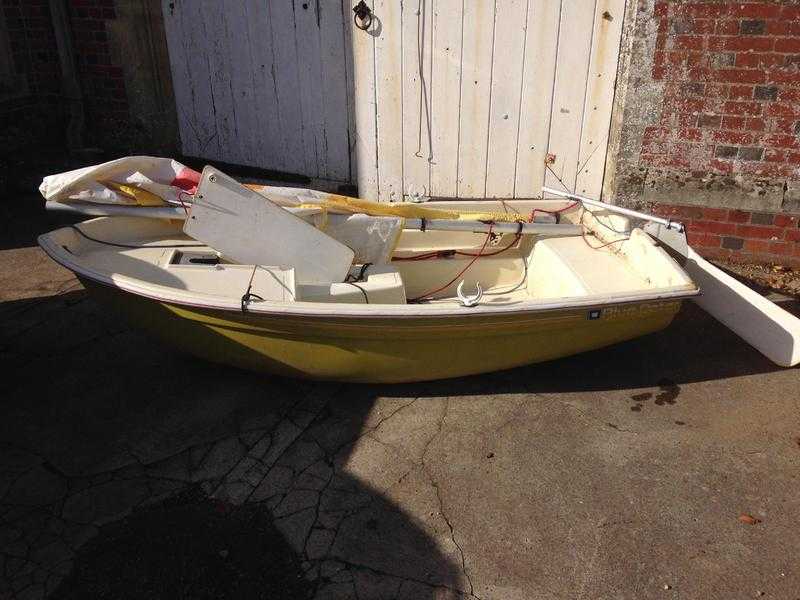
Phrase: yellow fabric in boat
pixel 346 204
pixel 141 196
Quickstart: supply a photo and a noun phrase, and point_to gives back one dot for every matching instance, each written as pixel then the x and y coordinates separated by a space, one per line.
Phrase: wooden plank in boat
pixel 247 228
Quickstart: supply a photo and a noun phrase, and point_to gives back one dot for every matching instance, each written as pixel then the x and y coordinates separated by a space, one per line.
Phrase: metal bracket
pixel 416 196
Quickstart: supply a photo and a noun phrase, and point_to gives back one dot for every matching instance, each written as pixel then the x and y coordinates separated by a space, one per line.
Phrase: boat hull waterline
pixel 386 349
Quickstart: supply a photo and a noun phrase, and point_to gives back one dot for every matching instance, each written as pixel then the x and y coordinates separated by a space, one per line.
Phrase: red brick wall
pixel 101 74
pixel 35 55
pixel 731 72
pixel 33 45
pixel 740 235
pixel 26 117
pixel 731 77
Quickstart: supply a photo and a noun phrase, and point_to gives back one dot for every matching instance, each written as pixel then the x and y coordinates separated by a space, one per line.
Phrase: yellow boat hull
pixel 387 350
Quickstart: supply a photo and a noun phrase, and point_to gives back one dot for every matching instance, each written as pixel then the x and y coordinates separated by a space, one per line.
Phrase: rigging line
pixel 429 93
pixel 361 289
pixel 450 253
pixel 553 86
pixel 180 193
pixel 557 213
pixel 460 273
pixel 561 181
pixel 588 158
pixel 517 286
pixel 248 295
pixel 489 114
pixel 521 89
pixel 579 202
pixel 592 47
pixel 584 228
pixel 460 95
pixel 421 73
pixel 506 207
pixel 131 246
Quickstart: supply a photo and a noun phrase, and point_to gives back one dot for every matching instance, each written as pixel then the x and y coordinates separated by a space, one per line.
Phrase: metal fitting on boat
pixel 469 300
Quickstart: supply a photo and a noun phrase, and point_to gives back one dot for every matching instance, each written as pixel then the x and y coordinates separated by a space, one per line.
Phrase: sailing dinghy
pixel 323 290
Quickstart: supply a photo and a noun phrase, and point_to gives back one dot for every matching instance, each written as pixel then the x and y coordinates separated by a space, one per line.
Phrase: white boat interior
pixel 608 263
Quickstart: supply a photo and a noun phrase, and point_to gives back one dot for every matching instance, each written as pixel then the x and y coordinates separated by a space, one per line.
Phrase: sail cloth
pixel 371 229
pixel 150 181
pixel 153 181
pixel 373 239
pixel 142 180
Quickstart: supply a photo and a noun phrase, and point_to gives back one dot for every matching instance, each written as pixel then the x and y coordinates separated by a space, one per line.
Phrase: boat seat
pixel 567 267
pixel 380 284
pixel 201 272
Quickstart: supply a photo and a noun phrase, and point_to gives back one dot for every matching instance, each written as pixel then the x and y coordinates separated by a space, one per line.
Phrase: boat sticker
pixel 594 314
pixel 638 310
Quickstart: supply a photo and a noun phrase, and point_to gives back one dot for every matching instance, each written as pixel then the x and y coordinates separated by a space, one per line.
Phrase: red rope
pixel 186 210
pixel 451 253
pixel 550 212
pixel 426 256
pixel 460 273
pixel 495 253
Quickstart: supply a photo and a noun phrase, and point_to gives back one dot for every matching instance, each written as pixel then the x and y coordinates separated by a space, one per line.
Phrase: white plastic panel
pixel 247 228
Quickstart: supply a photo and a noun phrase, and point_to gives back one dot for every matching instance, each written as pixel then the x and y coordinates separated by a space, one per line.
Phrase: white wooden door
pixel 265 83
pixel 442 98
pixel 484 98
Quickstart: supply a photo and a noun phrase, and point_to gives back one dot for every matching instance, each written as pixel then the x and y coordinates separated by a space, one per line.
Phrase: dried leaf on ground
pixel 749 519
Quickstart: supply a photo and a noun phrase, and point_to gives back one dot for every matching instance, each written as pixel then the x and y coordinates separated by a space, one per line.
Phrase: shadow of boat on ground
pixel 130 471
pixel 128 467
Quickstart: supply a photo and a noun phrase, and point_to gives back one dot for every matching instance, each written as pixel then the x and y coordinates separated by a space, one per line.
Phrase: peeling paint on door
pixel 264 84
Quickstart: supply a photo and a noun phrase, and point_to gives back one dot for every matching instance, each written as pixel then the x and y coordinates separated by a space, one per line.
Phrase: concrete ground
pixel 667 467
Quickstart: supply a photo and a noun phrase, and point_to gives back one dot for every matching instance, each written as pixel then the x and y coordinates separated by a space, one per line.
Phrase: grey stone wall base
pixel 640 186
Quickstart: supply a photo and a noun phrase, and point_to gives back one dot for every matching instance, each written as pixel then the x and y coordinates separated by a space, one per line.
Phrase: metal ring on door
pixel 363 16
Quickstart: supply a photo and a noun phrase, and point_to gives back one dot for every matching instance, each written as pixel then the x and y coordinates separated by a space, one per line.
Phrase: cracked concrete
pixel 609 475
